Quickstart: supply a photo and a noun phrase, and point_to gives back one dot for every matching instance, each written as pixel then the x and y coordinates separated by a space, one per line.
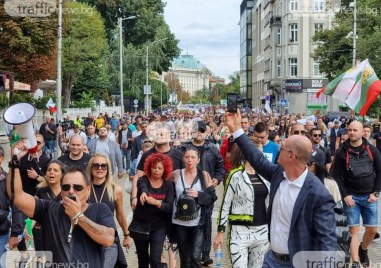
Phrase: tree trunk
pixel 67 83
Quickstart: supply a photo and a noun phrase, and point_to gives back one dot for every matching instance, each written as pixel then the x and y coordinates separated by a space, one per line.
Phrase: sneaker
pixel 376 236
pixel 364 259
pixel 206 260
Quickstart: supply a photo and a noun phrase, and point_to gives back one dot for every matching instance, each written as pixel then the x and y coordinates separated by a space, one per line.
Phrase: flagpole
pixel 354 32
pixel 59 69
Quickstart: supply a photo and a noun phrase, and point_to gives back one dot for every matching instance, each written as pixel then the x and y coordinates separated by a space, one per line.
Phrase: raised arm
pixel 25 202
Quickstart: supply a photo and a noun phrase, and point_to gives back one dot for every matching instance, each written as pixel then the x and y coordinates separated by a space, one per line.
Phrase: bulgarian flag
pixel 51 106
pixel 362 96
pixel 341 86
pixel 358 87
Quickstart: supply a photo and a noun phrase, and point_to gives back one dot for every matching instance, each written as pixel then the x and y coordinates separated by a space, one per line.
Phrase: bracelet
pixel 132 198
pixel 76 217
pixel 126 235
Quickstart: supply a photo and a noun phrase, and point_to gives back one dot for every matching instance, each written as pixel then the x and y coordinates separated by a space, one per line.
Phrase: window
pixel 319 27
pixel 319 5
pixel 279 69
pixel 317 68
pixel 293 5
pixel 293 33
pixel 279 37
pixel 293 67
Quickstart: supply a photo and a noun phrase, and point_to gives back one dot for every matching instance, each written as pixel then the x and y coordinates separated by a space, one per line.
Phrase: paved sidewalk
pixel 374 249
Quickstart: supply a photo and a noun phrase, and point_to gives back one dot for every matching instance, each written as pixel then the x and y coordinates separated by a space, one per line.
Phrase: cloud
pixel 208 30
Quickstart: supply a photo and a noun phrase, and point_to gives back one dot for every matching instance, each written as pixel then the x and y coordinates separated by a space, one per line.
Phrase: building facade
pixel 191 73
pixel 282 49
pixel 245 23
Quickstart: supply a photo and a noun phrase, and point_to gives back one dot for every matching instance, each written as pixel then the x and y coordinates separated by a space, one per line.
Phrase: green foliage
pixel 334 50
pixel 85 51
pixel 4 102
pixel 27 47
pixel 40 103
pixel 148 27
pixel 85 100
pixel 21 97
pixel 233 86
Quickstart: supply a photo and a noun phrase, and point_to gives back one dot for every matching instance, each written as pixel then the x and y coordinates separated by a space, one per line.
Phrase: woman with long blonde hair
pixel 103 190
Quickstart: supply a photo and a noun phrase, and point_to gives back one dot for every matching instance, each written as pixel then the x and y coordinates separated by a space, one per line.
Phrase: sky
pixel 208 30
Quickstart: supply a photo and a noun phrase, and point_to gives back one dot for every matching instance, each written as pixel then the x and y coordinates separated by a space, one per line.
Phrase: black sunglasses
pixel 76 187
pixel 299 132
pixel 39 142
pixel 97 166
pixel 317 135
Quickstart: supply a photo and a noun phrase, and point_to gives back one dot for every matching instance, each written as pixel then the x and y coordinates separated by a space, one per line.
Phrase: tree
pixel 233 86
pixel 334 49
pixel 28 47
pixel 85 51
pixel 149 27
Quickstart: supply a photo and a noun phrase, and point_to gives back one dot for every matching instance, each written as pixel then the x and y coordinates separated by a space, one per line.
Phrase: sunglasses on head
pixel 316 135
pixel 97 166
pixel 76 187
pixel 299 132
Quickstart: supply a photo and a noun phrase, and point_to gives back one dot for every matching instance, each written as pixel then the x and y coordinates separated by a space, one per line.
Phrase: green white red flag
pixel 358 87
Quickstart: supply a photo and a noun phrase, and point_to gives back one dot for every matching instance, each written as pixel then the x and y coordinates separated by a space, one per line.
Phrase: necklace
pixel 95 195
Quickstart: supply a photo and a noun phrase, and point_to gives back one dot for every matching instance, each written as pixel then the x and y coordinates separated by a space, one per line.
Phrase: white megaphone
pixel 20 115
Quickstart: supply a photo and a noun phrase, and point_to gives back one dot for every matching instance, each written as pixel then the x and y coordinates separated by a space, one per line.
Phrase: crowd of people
pixel 292 183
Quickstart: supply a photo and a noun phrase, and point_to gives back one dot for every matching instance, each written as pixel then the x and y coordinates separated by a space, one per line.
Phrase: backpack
pixel 361 165
pixel 187 206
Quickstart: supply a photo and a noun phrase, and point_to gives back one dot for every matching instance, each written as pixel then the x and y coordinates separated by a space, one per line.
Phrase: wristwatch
pixel 221 229
pixel 376 194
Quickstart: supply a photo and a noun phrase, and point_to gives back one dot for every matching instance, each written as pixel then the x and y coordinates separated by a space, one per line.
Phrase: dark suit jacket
pixel 313 219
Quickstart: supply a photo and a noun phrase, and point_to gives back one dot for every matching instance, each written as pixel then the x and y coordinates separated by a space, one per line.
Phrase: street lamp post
pixel 120 21
pixel 147 105
pixel 354 32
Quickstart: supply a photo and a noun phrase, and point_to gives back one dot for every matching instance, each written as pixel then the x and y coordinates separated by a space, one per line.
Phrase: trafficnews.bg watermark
pixel 326 259
pixel 12 258
pixel 40 8
pixel 327 8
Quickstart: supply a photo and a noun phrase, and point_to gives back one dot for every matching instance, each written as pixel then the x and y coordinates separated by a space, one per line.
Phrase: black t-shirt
pixel 82 163
pixel 175 154
pixel 147 213
pixel 39 165
pixel 260 192
pixel 46 193
pixel 82 251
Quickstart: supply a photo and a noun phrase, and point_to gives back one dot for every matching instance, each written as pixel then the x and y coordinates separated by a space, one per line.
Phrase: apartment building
pixel 281 49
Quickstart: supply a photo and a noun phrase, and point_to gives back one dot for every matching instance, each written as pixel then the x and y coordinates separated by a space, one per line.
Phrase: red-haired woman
pixel 156 195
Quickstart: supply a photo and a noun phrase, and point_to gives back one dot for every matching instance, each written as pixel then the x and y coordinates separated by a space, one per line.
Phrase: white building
pixel 282 45
pixel 192 74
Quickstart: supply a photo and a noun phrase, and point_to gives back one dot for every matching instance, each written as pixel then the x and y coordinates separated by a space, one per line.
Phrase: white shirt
pixel 281 214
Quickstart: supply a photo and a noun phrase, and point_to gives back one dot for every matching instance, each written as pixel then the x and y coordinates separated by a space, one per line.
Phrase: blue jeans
pixel 3 242
pixel 50 148
pixel 126 158
pixel 111 255
pixel 270 261
pixel 368 211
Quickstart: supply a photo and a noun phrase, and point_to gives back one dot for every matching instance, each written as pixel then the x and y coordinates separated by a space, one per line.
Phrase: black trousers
pixel 155 245
pixel 189 242
pixel 207 233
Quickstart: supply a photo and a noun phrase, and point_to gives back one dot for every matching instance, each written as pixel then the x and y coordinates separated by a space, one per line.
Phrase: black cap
pixel 317 155
pixel 199 126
